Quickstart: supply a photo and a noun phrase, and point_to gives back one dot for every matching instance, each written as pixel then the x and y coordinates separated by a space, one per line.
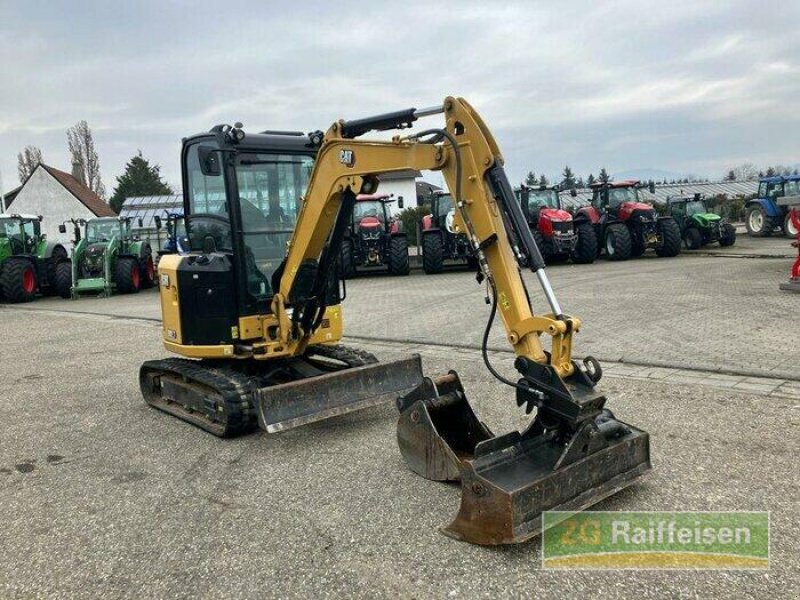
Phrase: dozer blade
pixel 297 403
pixel 508 481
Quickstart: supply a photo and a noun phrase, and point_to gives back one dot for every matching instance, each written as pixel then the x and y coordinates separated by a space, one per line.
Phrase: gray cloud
pixel 683 86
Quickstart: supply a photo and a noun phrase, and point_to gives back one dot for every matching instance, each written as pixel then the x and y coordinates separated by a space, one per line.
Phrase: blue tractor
pixel 769 210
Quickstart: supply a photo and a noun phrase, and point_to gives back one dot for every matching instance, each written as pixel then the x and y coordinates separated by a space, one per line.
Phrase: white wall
pixel 407 188
pixel 43 195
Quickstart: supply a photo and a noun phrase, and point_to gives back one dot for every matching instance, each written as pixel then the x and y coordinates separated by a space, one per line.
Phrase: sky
pixel 683 86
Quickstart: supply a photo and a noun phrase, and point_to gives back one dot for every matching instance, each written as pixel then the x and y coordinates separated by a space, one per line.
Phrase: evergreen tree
pixel 580 183
pixel 771 172
pixel 731 176
pixel 604 177
pixel 530 179
pixel 590 180
pixel 139 179
pixel 543 180
pixel 568 178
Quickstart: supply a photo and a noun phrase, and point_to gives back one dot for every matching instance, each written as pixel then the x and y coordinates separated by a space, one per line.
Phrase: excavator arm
pixel 469 159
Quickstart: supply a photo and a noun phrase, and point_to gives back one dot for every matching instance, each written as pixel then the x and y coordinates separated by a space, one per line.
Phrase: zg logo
pixel 347 157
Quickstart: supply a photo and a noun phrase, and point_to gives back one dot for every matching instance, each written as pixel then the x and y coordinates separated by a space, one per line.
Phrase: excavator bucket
pixel 298 403
pixel 508 481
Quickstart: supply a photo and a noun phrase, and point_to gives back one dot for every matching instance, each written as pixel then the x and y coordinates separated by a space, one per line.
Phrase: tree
pixel 543 180
pixel 27 161
pixel 580 183
pixel 604 177
pixel 568 178
pixel 531 178
pixel 590 180
pixel 139 179
pixel 81 147
pixel 731 176
pixel 771 172
pixel 744 172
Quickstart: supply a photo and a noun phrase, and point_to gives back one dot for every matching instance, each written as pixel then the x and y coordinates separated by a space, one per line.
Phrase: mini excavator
pixel 254 312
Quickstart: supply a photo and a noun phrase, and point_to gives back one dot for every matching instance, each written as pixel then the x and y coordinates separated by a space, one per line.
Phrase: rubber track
pixel 236 389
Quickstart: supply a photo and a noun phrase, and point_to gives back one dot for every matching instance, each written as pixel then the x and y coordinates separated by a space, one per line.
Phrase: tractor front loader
pixel 255 313
pixel 108 258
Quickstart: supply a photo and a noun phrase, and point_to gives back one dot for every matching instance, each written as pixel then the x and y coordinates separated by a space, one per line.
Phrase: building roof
pixel 148 207
pixel 84 195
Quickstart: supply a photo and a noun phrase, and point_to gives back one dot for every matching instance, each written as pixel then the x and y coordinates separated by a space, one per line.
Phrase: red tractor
pixel 556 234
pixel 441 239
pixel 625 226
pixel 374 238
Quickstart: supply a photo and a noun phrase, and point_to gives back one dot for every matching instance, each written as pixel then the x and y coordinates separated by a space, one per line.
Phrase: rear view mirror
pixel 652 187
pixel 400 202
pixel 141 222
pixel 62 228
pixel 157 221
pixel 573 192
pixel 209 161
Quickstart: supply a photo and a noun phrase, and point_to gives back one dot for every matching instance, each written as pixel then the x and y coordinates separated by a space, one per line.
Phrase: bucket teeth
pixel 508 481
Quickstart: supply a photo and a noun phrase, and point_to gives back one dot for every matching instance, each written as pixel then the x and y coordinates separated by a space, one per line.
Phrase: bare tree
pixel 27 161
pixel 81 147
pixel 744 172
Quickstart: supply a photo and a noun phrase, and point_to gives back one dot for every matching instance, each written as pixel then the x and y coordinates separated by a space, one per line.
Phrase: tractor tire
pixel 617 242
pixel 147 269
pixel 585 250
pixel 671 234
pixel 398 256
pixel 757 222
pixel 62 280
pixel 693 238
pixel 541 244
pixel 727 235
pixel 18 280
pixel 432 253
pixel 58 255
pixel 347 269
pixel 127 276
pixel 789 230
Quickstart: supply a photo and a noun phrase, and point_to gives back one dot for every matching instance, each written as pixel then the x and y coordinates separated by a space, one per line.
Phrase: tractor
pixel 373 238
pixel 624 225
pixel 770 209
pixel 176 242
pixel 28 262
pixel 557 235
pixel 107 258
pixel 441 238
pixel 698 225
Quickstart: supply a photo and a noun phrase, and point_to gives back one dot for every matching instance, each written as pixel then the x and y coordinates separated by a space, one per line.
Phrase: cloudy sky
pixel 684 86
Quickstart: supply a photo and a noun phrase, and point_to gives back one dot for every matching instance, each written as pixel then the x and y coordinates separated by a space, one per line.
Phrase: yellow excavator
pixel 254 310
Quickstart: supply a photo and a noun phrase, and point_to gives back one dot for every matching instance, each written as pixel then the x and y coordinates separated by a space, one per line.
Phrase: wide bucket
pixel 508 481
pixel 298 403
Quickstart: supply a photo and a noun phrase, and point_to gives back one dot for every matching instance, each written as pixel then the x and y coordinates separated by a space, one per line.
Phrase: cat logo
pixel 347 157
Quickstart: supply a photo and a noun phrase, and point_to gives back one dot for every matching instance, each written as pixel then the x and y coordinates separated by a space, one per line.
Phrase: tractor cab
pixel 620 198
pixel 371 213
pixel 770 209
pixel 19 234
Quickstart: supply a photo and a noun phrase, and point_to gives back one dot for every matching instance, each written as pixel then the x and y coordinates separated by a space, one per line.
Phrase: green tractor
pixel 698 225
pixel 107 258
pixel 28 262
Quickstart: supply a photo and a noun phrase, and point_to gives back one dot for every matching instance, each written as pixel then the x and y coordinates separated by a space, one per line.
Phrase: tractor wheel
pixel 346 267
pixel 693 238
pixel 147 269
pixel 671 236
pixel 542 245
pixel 757 222
pixel 618 242
pixel 62 280
pixel 727 235
pixel 398 256
pixel 789 230
pixel 585 250
pixel 127 276
pixel 18 280
pixel 59 255
pixel 432 253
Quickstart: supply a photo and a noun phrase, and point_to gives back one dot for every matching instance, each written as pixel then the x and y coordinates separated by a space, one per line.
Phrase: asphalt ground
pixel 101 496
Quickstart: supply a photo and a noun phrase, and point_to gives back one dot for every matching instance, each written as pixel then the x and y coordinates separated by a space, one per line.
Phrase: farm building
pixel 56 196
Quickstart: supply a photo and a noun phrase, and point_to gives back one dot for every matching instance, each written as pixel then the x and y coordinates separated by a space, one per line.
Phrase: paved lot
pixel 102 496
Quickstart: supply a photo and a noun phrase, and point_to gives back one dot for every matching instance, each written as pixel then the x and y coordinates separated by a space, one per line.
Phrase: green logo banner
pixel 655 540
